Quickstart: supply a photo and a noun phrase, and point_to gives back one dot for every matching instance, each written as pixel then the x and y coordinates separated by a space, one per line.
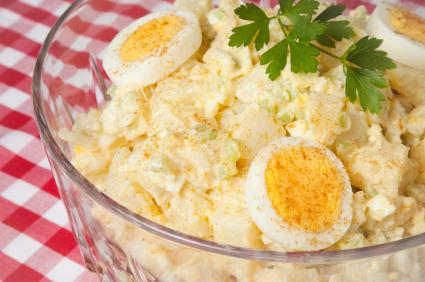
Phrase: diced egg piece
pixel 402 31
pixel 152 47
pixel 299 194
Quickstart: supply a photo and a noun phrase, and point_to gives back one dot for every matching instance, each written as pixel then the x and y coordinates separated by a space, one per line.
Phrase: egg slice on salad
pixel 152 47
pixel 299 194
pixel 403 33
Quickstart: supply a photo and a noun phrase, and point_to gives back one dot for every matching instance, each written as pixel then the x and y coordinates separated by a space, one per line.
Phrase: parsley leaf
pixel 250 12
pixel 364 70
pixel 276 57
pixel 303 57
pixel 364 54
pixel 263 36
pixel 258 30
pixel 243 35
pixel 285 5
pixel 303 7
pixel 335 31
pixel 306 30
pixel 365 84
pixel 330 12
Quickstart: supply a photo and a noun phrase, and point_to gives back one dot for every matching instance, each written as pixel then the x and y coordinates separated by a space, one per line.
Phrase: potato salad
pixel 197 137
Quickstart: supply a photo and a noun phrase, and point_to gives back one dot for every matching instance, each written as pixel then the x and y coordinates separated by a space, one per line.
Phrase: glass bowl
pixel 120 245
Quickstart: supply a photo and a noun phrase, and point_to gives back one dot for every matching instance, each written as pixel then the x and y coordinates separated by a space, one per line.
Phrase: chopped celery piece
pixel 345 146
pixel 226 169
pixel 216 16
pixel 267 105
pixel 212 135
pixel 344 121
pixel 285 116
pixel 203 132
pixel 230 151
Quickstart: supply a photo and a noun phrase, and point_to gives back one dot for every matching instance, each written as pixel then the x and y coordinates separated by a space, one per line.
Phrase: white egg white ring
pixel 157 66
pixel 399 47
pixel 272 225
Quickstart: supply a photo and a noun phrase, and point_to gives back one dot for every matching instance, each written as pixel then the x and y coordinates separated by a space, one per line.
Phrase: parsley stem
pixel 282 26
pixel 326 52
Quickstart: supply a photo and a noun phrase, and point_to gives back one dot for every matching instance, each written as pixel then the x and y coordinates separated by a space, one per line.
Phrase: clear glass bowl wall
pixel 122 246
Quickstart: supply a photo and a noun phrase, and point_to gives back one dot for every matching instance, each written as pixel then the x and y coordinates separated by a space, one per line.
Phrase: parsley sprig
pixel 305 35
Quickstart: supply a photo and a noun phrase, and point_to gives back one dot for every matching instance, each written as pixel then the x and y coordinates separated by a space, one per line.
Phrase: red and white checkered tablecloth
pixel 36 243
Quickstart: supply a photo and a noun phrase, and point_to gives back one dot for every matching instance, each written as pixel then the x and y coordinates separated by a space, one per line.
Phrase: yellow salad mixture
pixel 178 151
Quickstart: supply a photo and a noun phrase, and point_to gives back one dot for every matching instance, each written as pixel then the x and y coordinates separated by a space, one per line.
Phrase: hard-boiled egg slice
pixel 152 47
pixel 403 33
pixel 299 195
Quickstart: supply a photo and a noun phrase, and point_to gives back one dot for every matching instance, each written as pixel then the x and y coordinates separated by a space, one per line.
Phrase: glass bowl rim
pixel 57 155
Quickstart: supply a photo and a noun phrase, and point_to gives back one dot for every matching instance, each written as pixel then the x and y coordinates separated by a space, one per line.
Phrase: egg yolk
pixel 304 187
pixel 150 37
pixel 408 24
